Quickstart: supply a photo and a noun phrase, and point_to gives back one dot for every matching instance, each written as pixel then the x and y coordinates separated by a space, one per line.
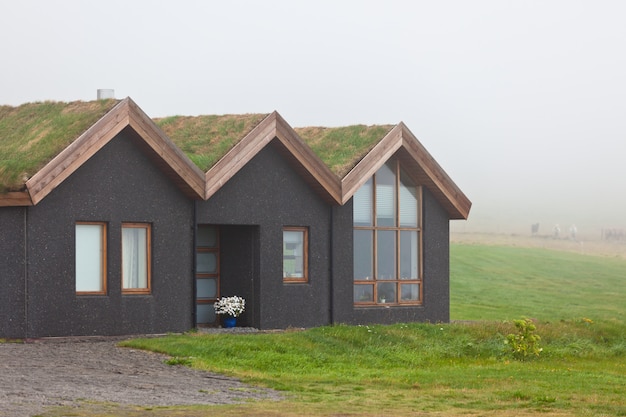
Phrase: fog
pixel 523 103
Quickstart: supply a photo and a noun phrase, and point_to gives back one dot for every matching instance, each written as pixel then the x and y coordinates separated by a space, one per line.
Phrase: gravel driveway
pixel 60 372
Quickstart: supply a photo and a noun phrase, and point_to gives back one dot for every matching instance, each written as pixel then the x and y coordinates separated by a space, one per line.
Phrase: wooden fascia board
pixel 371 163
pixel 15 199
pixel 437 175
pixel 240 155
pixel 309 160
pixel 154 137
pixel 79 151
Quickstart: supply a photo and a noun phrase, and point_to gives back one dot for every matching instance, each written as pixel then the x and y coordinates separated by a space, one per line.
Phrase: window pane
pixel 408 201
pixel 386 251
pixel 408 255
pixel 206 263
pixel 387 292
pixel 205 313
pixel 207 236
pixel 363 293
pixel 134 257
pixel 362 205
pixel 206 288
pixel 363 254
pixel 410 292
pixel 293 254
pixel 89 258
pixel 385 196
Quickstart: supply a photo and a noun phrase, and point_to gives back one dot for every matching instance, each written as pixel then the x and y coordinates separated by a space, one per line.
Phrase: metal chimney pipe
pixel 105 93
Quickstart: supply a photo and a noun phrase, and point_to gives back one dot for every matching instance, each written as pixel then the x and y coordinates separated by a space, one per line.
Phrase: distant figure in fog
pixel 534 228
pixel 572 232
pixel 557 231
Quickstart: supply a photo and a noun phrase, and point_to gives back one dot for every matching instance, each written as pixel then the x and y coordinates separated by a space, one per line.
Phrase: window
pixel 207 273
pixel 387 236
pixel 136 258
pixel 295 254
pixel 90 258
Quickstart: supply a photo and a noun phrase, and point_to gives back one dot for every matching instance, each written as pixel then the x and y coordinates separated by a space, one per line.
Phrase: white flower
pixel 231 306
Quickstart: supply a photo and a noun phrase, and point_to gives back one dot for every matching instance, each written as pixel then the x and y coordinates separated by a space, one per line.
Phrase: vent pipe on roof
pixel 105 93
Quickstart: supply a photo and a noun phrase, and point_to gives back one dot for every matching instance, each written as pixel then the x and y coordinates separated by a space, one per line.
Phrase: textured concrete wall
pixel 12 272
pixel 118 184
pixel 268 194
pixel 436 304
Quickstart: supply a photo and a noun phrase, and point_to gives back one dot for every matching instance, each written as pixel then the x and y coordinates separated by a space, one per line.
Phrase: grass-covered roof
pixel 206 139
pixel 33 134
pixel 341 148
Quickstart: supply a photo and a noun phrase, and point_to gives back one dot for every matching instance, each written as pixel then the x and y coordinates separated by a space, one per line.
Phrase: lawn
pixel 462 368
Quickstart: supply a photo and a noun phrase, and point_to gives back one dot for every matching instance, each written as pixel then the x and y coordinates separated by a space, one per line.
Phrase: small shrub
pixel 525 342
pixel 178 361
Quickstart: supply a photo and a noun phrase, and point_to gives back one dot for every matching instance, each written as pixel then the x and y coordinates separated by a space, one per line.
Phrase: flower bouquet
pixel 230 306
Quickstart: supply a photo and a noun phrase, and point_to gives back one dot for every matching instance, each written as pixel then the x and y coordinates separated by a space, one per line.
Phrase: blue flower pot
pixel 230 322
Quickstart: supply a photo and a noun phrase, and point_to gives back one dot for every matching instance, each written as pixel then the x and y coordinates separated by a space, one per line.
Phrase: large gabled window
pixel 387 237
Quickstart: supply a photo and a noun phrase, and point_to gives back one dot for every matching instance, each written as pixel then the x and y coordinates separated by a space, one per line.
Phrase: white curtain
pixel 134 258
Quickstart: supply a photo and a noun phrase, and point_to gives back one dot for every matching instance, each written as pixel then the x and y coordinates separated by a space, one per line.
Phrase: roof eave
pixel 437 180
pixel 297 152
pixel 125 113
pixel 15 199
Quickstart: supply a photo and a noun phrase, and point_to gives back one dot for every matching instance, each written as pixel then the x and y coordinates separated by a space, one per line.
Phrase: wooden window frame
pixel 375 229
pixel 305 255
pixel 103 270
pixel 148 288
pixel 216 275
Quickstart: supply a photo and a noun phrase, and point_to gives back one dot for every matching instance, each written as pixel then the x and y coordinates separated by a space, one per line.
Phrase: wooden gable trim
pixel 15 199
pixel 189 178
pixel 371 163
pixel 240 155
pixel 308 164
pixel 79 151
pixel 455 201
pixel 433 176
pixel 126 113
pixel 275 128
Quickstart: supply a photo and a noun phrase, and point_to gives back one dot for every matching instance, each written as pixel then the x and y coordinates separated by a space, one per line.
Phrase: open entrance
pixel 227 260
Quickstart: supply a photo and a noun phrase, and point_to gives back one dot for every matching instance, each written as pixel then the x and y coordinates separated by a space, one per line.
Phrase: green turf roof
pixel 206 139
pixel 34 133
pixel 341 148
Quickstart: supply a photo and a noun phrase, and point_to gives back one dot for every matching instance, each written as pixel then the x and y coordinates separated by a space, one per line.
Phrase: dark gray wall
pixel 268 194
pixel 12 272
pixel 118 184
pixel 435 240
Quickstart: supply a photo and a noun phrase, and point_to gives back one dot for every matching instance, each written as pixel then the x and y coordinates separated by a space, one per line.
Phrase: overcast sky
pixel 523 103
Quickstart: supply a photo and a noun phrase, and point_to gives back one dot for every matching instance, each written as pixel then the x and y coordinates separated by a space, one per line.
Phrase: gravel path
pixel 60 372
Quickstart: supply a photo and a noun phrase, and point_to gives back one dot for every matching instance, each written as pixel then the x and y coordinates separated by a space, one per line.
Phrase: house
pixel 112 223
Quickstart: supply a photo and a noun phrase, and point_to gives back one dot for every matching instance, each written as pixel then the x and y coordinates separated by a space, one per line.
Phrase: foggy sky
pixel 521 102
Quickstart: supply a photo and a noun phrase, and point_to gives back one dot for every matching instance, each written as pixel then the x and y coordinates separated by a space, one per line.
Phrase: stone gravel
pixel 67 371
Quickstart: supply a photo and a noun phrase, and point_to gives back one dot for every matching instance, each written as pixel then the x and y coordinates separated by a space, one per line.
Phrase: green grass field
pixel 505 282
pixel 458 369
